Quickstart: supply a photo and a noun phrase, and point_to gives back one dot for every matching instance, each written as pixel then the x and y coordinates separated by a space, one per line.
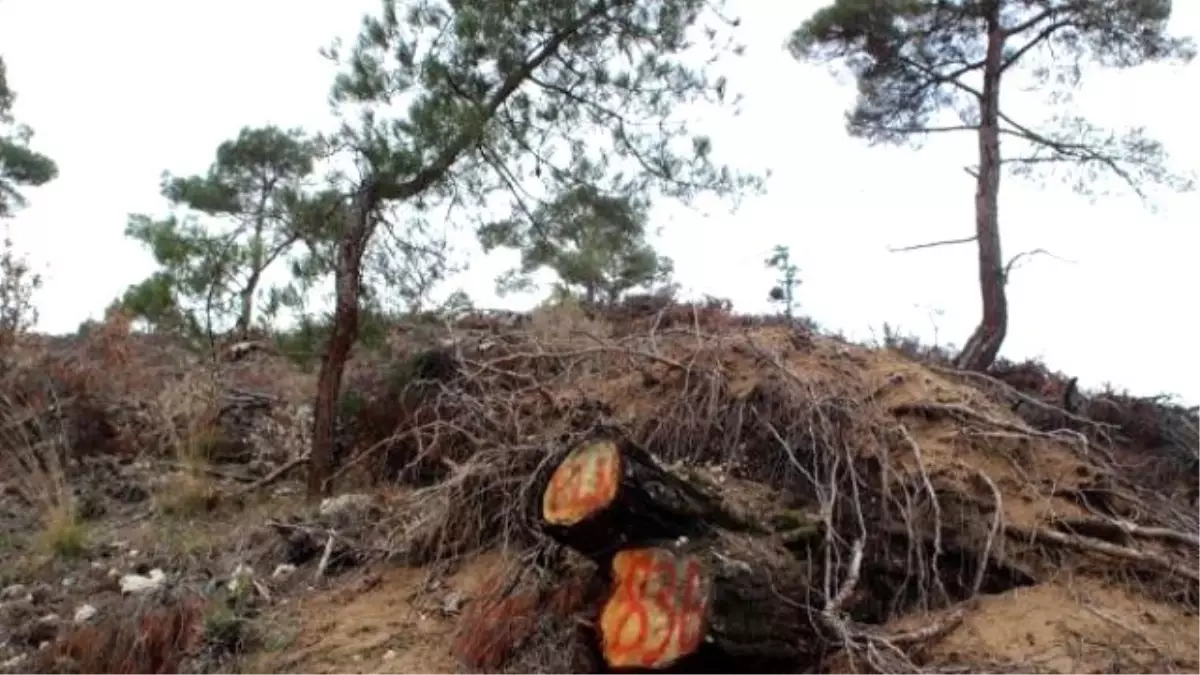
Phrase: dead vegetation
pixel 993 523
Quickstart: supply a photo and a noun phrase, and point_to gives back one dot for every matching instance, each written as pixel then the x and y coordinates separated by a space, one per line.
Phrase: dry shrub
pixel 187 411
pixel 487 502
pixel 33 459
pixel 563 318
pixel 155 639
pixel 1152 438
pixel 522 619
pixel 109 343
pixel 911 346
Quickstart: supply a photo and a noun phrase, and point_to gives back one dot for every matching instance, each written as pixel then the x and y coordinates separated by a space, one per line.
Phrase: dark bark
pixel 721 604
pixel 984 345
pixel 608 493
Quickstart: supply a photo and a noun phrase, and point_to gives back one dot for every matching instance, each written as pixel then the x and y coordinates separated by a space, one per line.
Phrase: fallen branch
pixel 1012 393
pixel 275 475
pixel 1117 528
pixel 1104 547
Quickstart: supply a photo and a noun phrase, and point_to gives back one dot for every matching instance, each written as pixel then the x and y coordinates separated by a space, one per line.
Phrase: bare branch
pixel 1012 263
pixel 944 242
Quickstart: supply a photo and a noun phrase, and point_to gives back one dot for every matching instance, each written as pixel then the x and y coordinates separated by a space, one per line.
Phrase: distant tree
pixel 18 283
pixel 595 243
pixel 919 62
pixel 155 304
pixel 249 211
pixel 783 293
pixel 20 166
pixel 497 96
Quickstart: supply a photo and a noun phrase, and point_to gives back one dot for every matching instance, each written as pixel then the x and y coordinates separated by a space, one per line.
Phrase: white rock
pixel 12 591
pixel 389 655
pixel 138 584
pixel 85 613
pixel 454 602
pixel 12 663
pixel 241 578
pixel 283 571
pixel 67 582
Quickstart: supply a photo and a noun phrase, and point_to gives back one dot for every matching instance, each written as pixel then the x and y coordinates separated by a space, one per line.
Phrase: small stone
pixel 454 602
pixel 283 571
pixel 138 584
pixel 12 591
pixel 85 613
pixel 67 582
pixel 389 655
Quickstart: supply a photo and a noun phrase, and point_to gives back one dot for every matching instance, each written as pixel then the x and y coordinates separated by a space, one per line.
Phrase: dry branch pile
pixel 864 506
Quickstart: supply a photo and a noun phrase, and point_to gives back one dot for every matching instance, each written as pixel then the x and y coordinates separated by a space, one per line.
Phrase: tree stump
pixel 608 493
pixel 706 606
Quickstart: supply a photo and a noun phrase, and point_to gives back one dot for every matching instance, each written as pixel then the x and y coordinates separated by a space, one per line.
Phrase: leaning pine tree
pixel 454 105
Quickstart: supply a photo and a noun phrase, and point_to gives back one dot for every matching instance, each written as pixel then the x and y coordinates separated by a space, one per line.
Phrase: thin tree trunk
pixel 983 346
pixel 347 280
pixel 247 303
pixel 256 261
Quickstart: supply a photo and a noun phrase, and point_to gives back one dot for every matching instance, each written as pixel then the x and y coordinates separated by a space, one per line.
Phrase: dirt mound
pixel 944 506
pixel 927 519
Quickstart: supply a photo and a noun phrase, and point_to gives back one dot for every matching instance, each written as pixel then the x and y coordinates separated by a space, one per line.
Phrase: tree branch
pixel 512 82
pixel 1012 263
pixel 1077 152
pixel 944 242
pixel 1042 36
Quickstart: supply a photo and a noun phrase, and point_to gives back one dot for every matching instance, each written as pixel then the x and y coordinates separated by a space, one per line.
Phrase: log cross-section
pixel 584 484
pixel 658 610
pixel 608 493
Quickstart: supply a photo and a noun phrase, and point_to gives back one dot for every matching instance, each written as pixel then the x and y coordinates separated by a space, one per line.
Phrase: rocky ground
pixel 152 520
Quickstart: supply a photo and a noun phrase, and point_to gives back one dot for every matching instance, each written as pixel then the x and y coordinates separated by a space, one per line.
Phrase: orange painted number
pixel 662 572
pixel 585 481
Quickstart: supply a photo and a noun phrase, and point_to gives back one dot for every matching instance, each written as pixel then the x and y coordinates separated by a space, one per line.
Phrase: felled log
pixel 608 493
pixel 734 603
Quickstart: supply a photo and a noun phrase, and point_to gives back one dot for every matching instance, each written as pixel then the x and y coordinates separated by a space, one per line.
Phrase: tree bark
pixel 608 493
pixel 720 603
pixel 984 345
pixel 352 243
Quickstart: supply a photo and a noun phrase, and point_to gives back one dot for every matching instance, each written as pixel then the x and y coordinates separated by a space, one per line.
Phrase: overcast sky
pixel 119 91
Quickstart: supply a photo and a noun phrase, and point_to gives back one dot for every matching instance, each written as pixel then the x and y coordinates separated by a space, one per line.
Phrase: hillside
pixel 152 516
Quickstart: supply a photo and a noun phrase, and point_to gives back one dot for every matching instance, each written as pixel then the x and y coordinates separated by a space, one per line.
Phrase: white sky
pixel 119 91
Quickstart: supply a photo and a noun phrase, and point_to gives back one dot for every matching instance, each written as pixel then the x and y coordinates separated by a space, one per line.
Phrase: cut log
pixel 608 493
pixel 708 606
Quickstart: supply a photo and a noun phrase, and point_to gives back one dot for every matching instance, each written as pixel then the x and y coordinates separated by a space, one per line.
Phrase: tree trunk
pixel 347 278
pixel 983 346
pixel 608 492
pixel 247 303
pixel 729 604
pixel 692 585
